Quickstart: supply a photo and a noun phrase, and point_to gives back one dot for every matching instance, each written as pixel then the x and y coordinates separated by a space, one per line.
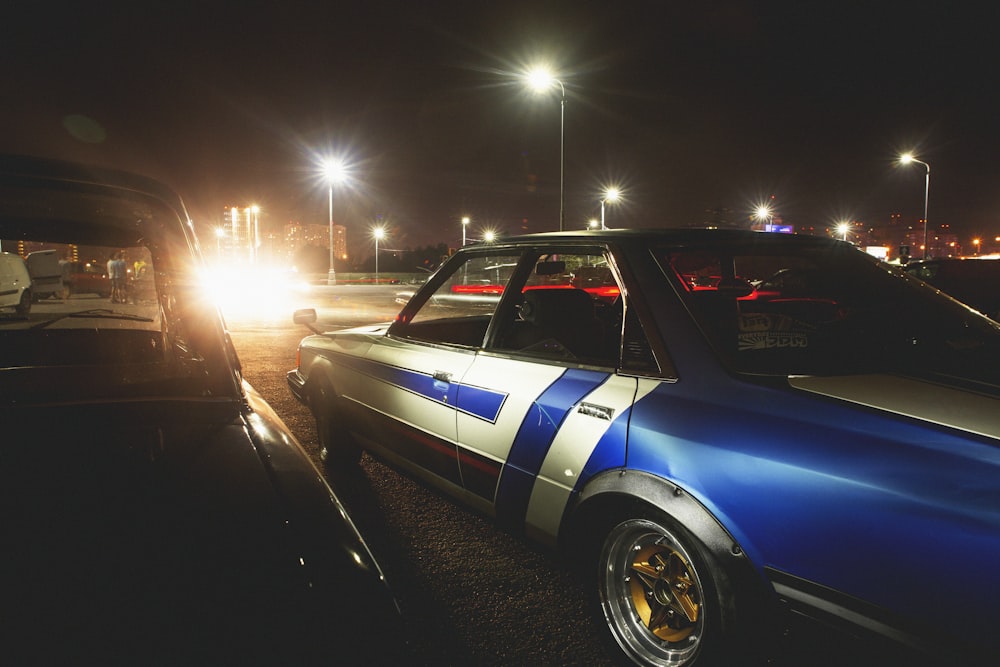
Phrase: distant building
pixel 296 235
pixel 239 237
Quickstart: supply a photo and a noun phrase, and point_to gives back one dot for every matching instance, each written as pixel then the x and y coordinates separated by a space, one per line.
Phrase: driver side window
pixel 459 311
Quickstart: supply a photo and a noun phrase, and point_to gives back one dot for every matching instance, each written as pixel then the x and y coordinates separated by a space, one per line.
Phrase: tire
pixel 24 305
pixel 659 592
pixel 336 446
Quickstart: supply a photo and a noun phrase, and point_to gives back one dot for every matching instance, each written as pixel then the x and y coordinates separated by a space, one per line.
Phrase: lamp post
pixel 334 172
pixel 907 158
pixel 254 233
pixel 541 79
pixel 378 233
pixel 610 195
pixel 465 225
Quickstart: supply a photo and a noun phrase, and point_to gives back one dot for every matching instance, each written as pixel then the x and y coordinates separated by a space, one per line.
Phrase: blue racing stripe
pixel 534 437
pixel 480 402
pixel 476 401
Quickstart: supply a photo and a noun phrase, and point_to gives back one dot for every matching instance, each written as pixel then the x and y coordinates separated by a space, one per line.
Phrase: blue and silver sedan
pixel 718 426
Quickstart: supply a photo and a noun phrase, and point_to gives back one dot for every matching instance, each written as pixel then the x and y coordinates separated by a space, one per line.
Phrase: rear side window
pixel 815 309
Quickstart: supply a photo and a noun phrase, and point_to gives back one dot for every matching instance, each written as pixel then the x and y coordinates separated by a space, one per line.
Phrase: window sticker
pixel 770 331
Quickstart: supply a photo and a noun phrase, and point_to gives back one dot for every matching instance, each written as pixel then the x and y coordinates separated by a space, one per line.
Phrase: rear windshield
pixel 111 306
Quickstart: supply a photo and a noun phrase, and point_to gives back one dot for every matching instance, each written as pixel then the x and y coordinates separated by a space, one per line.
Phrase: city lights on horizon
pixel 335 171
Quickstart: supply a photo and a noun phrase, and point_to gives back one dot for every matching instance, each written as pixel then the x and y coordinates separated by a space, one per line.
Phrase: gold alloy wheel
pixel 663 592
pixel 651 593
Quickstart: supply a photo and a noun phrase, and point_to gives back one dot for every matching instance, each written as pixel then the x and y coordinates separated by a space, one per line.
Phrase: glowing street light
pixel 593 223
pixel 907 158
pixel 611 195
pixel 976 242
pixel 763 213
pixel 542 79
pixel 334 172
pixel 465 225
pixel 378 233
pixel 842 229
pixel 489 236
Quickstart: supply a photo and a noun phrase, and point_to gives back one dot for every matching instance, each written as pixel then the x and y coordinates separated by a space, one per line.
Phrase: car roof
pixel 985 261
pixel 42 191
pixel 669 235
pixel 49 169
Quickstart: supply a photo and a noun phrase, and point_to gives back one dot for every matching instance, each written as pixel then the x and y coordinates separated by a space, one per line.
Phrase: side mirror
pixel 307 317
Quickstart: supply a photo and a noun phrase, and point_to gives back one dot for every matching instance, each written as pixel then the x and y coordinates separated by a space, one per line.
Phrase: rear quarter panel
pixel 855 499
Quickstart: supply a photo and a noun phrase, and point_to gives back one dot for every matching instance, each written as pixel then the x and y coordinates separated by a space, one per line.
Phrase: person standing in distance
pixel 116 274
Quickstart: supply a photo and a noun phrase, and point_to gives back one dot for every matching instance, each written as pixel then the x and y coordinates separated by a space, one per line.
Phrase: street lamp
pixel 465 225
pixel 255 233
pixel 843 228
pixel 610 195
pixel 593 224
pixel 541 79
pixel 378 233
pixel 763 213
pixel 907 158
pixel 334 172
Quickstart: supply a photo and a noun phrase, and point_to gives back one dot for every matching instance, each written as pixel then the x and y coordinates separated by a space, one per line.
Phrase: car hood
pixel 130 522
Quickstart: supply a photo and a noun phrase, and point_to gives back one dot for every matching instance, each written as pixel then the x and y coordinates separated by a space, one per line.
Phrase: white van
pixel 46 274
pixel 15 284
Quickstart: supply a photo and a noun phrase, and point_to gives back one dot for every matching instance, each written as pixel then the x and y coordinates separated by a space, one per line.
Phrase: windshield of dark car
pixel 113 307
pixel 823 308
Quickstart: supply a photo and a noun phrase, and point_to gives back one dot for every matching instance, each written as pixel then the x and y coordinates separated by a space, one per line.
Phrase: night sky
pixel 687 106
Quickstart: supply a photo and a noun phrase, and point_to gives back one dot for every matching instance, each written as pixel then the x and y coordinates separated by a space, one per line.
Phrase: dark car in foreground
pixel 718 428
pixel 974 281
pixel 155 510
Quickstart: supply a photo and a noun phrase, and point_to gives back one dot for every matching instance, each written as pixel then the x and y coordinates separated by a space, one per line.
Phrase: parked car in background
pixel 46 274
pixel 15 284
pixel 972 280
pixel 155 509
pixel 717 427
pixel 86 278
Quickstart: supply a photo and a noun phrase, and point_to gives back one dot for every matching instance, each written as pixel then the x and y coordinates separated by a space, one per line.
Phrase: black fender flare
pixel 665 496
pixel 624 490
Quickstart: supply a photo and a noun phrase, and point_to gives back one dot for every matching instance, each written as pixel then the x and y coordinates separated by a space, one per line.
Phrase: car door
pixel 557 400
pixel 411 377
pixel 410 388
